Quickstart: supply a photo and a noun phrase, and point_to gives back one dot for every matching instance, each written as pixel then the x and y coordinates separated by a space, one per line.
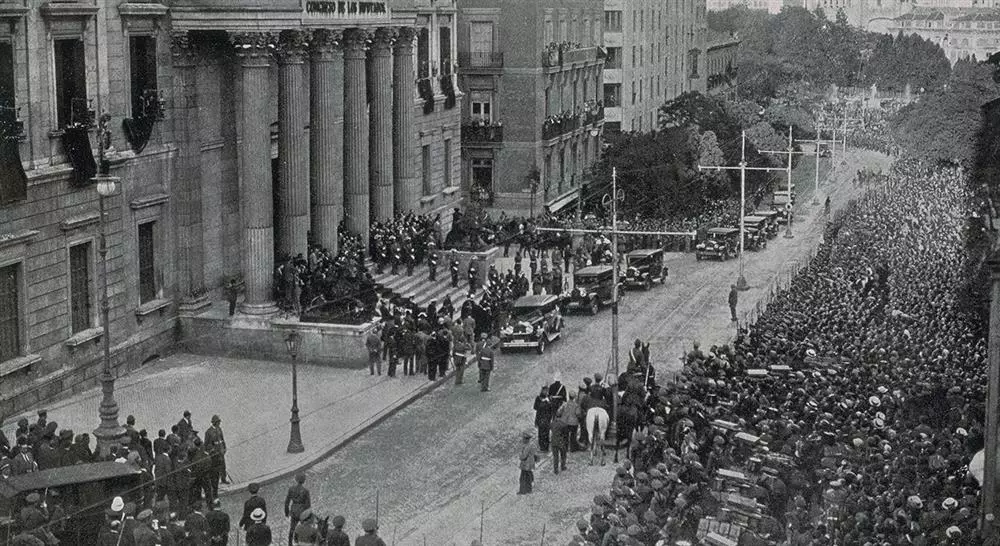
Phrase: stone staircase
pixel 419 289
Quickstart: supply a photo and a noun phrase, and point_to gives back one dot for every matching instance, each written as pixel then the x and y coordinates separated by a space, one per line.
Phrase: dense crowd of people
pixel 851 423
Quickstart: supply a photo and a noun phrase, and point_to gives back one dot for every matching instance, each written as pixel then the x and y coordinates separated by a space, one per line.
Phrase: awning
pixel 563 200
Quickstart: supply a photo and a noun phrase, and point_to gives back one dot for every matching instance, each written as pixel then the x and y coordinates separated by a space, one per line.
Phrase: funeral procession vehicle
pixel 592 288
pixel 721 243
pixel 535 321
pixel 756 238
pixel 771 216
pixel 645 266
pixel 83 493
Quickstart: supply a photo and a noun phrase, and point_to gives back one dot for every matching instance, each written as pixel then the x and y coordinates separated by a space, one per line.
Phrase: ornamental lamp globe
pixel 106 186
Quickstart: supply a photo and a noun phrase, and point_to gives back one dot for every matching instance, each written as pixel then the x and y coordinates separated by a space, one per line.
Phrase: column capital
pixel 253 48
pixel 291 47
pixel 355 41
pixel 325 44
pixel 183 49
pixel 404 40
pixel 383 39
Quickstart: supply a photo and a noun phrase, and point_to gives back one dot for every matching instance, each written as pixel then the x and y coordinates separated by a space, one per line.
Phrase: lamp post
pixel 295 440
pixel 109 432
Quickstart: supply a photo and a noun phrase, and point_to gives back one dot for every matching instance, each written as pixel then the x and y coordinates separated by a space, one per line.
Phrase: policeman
pixel 517 262
pixel 493 275
pixel 215 444
pixel 454 269
pixel 473 277
pixel 396 255
pixel 307 531
pixel 296 501
pixel 382 256
pixel 485 352
pixel 533 261
pixel 410 257
pixel 370 538
pixel 432 263
pixel 460 349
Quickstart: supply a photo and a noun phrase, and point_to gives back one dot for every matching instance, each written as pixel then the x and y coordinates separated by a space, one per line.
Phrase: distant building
pixel 721 62
pixel 771 6
pixel 962 33
pixel 531 72
pixel 655 52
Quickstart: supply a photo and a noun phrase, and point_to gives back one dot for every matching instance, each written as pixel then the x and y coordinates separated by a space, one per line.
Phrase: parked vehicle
pixel 771 216
pixel 755 226
pixel 535 322
pixel 592 288
pixel 722 243
pixel 644 266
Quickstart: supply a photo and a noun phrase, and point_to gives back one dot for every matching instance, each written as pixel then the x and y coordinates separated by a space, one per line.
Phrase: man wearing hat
pixel 370 538
pixel 336 536
pixel 142 531
pixel 184 426
pixel 196 525
pixel 296 501
pixel 32 517
pixel 218 524
pixel 485 353
pixel 307 530
pixel 251 504
pixel 215 445
pixel 528 458
pixel 258 532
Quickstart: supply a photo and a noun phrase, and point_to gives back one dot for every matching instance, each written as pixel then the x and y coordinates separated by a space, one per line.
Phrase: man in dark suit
pixel 251 504
pixel 184 426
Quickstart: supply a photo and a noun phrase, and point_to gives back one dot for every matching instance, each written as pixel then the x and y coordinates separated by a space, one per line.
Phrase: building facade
pixel 655 51
pixel 721 62
pixel 531 72
pixel 238 130
pixel 963 33
pixel 771 6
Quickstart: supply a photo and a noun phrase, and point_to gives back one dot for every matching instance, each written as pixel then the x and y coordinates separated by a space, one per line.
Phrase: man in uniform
pixel 196 525
pixel 336 536
pixel 250 505
pixel 306 532
pixel 485 353
pixel 370 538
pixel 218 524
pixel 460 349
pixel 517 262
pixel 454 269
pixel 432 261
pixel 296 501
pixel 473 274
pixel 215 444
pixel 533 262
pixel 556 283
pixel 410 257
pixel 493 276
pixel 397 255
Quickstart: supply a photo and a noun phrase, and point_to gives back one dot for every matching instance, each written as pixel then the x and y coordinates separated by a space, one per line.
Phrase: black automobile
pixel 722 243
pixel 771 215
pixel 535 321
pixel 643 267
pixel 592 288
pixel 756 238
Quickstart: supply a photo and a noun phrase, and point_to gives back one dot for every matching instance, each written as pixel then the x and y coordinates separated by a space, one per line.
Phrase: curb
pixel 341 442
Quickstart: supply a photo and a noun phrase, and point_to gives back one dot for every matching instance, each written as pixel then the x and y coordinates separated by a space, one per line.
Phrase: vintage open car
pixel 756 228
pixel 84 492
pixel 535 321
pixel 771 216
pixel 592 288
pixel 643 267
pixel 722 243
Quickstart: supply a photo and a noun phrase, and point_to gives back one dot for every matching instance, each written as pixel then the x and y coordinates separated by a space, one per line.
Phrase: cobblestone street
pixel 435 465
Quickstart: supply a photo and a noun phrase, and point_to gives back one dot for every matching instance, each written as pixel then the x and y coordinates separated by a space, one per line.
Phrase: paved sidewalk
pixel 253 398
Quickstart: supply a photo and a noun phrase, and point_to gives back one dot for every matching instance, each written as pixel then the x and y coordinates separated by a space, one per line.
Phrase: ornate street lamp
pixel 295 440
pixel 109 432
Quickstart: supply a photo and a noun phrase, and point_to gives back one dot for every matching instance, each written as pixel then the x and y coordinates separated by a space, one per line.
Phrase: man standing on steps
pixel 473 277
pixel 734 297
pixel 460 349
pixel 432 261
pixel 454 269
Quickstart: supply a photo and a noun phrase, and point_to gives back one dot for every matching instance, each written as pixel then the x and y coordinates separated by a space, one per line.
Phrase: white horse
pixel 597 426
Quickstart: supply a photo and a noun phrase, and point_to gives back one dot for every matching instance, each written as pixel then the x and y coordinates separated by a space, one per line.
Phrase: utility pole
pixel 818 140
pixel 614 198
pixel 741 281
pixel 788 172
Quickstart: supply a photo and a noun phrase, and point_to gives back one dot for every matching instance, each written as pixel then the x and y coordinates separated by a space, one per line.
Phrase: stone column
pixel 356 195
pixel 293 151
pixel 256 198
pixel 381 113
pixel 326 136
pixel 406 183
pixel 187 134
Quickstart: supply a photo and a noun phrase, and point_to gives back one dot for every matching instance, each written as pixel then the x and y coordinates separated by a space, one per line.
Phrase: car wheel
pixel 541 345
pixel 594 307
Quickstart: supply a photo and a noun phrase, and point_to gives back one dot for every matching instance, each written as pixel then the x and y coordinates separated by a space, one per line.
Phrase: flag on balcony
pixel 13 182
pixel 76 142
pixel 137 131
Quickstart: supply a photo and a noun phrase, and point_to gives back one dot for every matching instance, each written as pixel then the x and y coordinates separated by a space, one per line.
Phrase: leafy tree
pixel 714 183
pixel 906 59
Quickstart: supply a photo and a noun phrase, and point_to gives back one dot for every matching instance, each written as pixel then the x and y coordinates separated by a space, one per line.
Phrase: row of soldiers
pixel 404 241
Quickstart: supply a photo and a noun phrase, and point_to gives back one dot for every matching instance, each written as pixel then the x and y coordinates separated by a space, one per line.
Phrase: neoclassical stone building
pixel 238 127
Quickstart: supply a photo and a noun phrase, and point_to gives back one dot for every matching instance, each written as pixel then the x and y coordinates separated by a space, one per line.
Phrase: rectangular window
pixel 10 313
pixel 7 100
pixel 635 57
pixel 613 21
pixel 71 81
pixel 445 39
pixel 548 103
pixel 614 58
pixel 423 54
pixel 549 31
pixel 612 94
pixel 481 104
pixel 642 55
pixel 586 32
pixel 79 286
pixel 481 38
pixel 447 162
pixel 635 17
pixel 425 162
pixel 633 93
pixel 147 269
pixel 142 69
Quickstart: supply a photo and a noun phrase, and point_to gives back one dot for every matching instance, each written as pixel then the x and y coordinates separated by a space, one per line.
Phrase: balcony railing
pixel 559 54
pixel 480 59
pixel 482 132
pixel 553 126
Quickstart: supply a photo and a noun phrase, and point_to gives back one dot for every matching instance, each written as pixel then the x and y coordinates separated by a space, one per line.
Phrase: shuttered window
pixel 147 271
pixel 79 286
pixel 10 318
